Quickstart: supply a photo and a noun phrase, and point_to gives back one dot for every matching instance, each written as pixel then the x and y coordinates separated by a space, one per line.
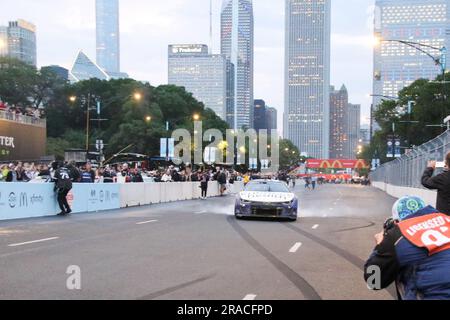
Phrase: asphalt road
pixel 197 250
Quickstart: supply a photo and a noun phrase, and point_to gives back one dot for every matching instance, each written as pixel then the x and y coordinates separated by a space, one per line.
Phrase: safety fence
pixel 25 200
pixel 407 171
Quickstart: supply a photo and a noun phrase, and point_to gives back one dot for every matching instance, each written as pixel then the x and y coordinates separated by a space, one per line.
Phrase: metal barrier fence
pixel 407 171
pixel 20 118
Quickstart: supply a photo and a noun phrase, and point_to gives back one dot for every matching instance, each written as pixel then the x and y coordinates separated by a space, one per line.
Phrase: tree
pixel 430 107
pixel 289 154
pixel 17 82
pixel 139 122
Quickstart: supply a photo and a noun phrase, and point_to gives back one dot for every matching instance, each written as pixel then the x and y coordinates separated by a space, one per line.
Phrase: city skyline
pixel 147 27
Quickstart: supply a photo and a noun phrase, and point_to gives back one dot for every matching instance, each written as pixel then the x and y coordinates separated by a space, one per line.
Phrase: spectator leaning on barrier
pixel 88 175
pixel 441 183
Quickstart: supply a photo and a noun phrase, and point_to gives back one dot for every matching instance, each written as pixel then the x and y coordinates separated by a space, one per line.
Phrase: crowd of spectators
pixel 16 112
pixel 119 173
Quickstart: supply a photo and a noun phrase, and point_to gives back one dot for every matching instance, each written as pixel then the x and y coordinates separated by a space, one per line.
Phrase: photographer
pixel 414 251
pixel 441 183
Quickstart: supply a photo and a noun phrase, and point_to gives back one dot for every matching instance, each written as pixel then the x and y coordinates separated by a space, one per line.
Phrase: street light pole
pixel 88 119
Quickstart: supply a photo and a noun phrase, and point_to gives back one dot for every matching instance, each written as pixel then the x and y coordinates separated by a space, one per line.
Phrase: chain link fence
pixel 407 171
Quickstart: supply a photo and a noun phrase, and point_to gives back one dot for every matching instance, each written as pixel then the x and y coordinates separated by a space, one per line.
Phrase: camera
pixel 389 224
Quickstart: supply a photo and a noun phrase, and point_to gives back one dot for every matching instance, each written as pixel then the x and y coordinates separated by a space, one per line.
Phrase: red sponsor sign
pixel 431 232
pixel 336 164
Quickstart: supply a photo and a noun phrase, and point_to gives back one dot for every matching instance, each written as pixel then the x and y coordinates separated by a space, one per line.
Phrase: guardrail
pixel 26 200
pixel 407 171
pixel 23 119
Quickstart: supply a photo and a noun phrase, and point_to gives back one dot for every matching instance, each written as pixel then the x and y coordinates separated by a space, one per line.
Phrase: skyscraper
pixel 397 65
pixel 201 73
pixel 237 45
pixel 108 35
pixel 339 115
pixel 307 75
pixel 260 115
pixel 345 125
pixel 18 40
pixel 354 127
pixel 272 119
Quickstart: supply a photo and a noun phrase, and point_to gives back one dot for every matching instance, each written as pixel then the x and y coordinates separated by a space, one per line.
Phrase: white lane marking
pixel 201 212
pixel 31 242
pixel 145 222
pixel 250 297
pixel 315 226
pixel 295 247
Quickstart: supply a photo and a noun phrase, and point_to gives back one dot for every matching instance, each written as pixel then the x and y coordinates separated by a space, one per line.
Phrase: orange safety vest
pixel 431 232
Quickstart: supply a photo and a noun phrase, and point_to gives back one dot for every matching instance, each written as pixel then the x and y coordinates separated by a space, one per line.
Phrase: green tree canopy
pixel 430 105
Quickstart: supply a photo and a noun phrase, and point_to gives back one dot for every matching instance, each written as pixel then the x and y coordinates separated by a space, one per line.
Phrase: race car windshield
pixel 267 187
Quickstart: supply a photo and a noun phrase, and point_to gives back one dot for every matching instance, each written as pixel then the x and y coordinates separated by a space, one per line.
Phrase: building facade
pixel 397 65
pixel 272 118
pixel 307 76
pixel 203 74
pixel 345 125
pixel 18 40
pixel 364 135
pixel 59 71
pixel 83 68
pixel 260 115
pixel 339 115
pixel 237 45
pixel 108 35
pixel 354 128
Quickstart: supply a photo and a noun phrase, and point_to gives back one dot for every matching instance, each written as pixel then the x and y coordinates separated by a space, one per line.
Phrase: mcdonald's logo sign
pixel 336 164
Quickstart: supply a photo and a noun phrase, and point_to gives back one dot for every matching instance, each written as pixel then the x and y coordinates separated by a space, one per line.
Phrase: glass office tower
pixel 18 40
pixel 237 45
pixel 108 35
pixel 307 76
pixel 203 74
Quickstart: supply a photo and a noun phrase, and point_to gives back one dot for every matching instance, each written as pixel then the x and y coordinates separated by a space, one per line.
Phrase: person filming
pixel 440 182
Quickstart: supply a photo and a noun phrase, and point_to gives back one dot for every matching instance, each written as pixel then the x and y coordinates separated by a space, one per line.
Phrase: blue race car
pixel 266 199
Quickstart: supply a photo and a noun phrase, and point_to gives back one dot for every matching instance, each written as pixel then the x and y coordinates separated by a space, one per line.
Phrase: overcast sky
pixel 148 26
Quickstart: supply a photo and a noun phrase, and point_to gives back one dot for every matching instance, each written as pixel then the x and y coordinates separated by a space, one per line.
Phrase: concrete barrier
pixel 20 200
pixel 27 200
pixel 397 192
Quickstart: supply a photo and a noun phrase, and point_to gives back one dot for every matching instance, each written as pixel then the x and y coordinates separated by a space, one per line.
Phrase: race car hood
pixel 272 197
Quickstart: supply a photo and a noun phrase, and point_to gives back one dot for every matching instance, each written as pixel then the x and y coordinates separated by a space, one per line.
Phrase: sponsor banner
pixel 335 164
pixel 20 200
pixel 21 141
pixel 91 197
